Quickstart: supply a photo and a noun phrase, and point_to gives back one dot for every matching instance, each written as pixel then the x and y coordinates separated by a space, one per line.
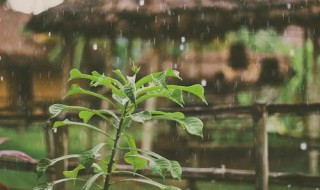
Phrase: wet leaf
pixel 193 125
pixel 56 109
pixel 175 170
pixel 129 90
pixel 76 89
pixel 86 115
pixel 159 79
pixel 44 186
pixel 67 122
pixel 196 90
pixel 73 173
pixel 122 77
pixel 148 78
pixel 43 165
pixel 91 181
pixel 141 116
pixel 133 157
pixel 86 159
pixel 103 165
pixel 160 167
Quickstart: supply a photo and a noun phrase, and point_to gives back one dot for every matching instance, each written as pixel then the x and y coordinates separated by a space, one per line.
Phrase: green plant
pixel 127 95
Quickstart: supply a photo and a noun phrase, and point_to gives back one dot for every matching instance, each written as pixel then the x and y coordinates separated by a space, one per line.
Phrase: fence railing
pixel 259 112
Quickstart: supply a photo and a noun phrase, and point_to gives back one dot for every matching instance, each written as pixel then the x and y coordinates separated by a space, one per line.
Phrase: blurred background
pixel 240 51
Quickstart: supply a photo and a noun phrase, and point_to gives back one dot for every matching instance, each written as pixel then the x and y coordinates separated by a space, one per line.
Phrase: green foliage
pixel 127 95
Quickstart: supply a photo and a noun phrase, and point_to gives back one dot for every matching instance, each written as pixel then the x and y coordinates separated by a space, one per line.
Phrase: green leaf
pixel 175 170
pixel 174 95
pixel 119 73
pixel 86 159
pixel 96 79
pixel 75 73
pixel 103 165
pixel 73 173
pixel 91 181
pixel 122 99
pixel 148 78
pixel 136 160
pixel 141 116
pixel 97 148
pixel 56 109
pixel 130 91
pixel 86 115
pixel 43 165
pixel 67 122
pixel 135 69
pixel 196 90
pixel 133 157
pixel 44 186
pixel 76 89
pixel 170 115
pixel 160 167
pixel 159 79
pixel 193 125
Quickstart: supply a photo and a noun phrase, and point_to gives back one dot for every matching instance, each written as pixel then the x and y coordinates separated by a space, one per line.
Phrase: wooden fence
pixel 259 113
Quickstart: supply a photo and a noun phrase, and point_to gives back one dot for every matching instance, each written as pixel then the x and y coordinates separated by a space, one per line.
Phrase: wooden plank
pixel 201 174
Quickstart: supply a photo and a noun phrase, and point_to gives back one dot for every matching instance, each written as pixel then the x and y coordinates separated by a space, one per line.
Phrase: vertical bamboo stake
pixel 260 146
pixel 148 130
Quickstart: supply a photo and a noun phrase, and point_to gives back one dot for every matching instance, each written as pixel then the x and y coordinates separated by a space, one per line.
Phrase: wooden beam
pixel 202 174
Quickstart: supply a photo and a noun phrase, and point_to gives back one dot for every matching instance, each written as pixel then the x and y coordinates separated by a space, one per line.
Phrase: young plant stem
pixel 114 149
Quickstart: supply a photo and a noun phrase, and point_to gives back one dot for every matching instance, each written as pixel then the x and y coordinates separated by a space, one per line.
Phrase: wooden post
pixel 260 146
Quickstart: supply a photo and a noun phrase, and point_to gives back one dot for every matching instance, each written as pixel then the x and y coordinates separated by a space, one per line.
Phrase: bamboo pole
pixel 260 146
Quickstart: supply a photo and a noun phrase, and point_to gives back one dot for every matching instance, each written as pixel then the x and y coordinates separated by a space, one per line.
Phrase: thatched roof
pixel 200 19
pixel 16 47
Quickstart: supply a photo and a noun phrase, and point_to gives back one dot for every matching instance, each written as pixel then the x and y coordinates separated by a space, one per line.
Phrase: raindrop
pixel 178 18
pixel 183 39
pixel 141 2
pixel 181 47
pixel 95 46
pixel 49 34
pixel 203 82
pixel 289 186
pixel 289 5
pixel 303 146
pixel 0 58
pixel 1 78
pixel 55 130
